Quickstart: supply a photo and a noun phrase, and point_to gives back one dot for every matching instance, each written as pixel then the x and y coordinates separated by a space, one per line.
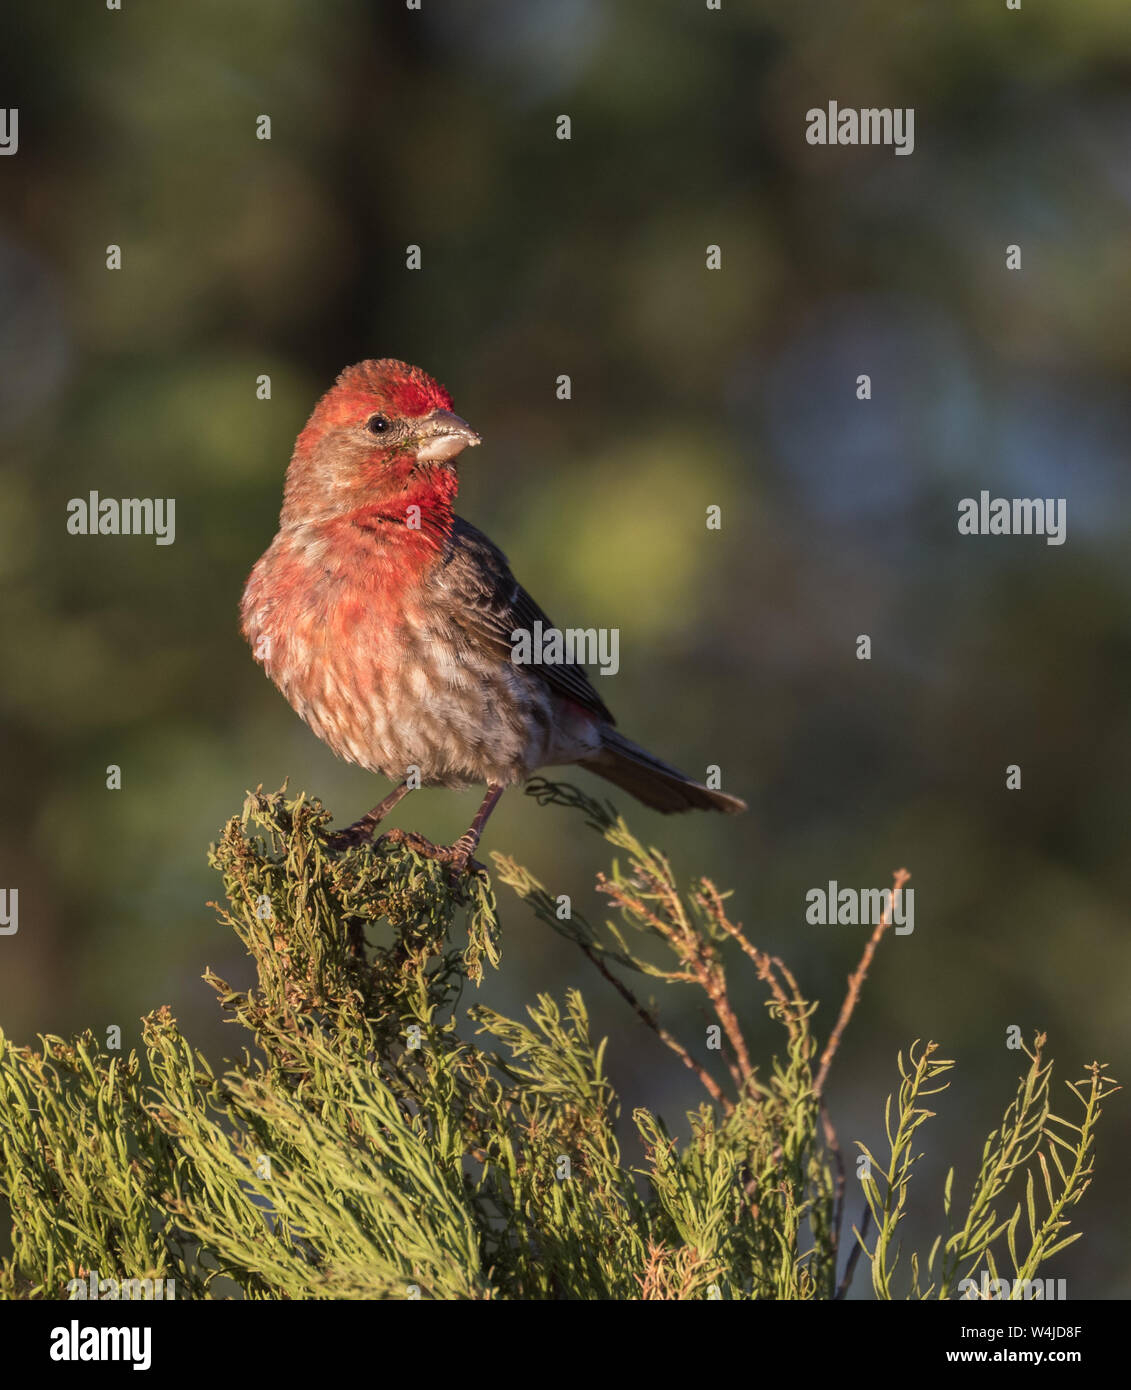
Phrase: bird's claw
pixel 457 856
pixel 461 861
pixel 352 836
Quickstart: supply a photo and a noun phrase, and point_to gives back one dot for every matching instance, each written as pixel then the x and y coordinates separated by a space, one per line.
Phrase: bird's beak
pixel 442 435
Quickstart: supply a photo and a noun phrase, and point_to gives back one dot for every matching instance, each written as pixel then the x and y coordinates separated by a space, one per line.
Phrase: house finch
pixel 387 621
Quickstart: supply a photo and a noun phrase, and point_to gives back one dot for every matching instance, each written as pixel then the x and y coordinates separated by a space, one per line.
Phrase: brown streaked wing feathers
pixel 492 605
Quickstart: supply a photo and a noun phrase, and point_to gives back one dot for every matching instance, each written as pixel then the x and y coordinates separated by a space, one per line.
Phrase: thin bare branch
pixel 855 983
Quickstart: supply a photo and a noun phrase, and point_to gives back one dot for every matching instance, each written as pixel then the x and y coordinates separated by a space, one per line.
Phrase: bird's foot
pixel 360 833
pixel 457 856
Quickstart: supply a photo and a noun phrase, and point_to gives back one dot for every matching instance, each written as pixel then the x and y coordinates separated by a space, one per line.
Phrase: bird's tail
pixel 657 784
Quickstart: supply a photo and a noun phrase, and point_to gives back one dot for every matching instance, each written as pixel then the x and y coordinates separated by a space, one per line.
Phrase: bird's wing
pixel 492 604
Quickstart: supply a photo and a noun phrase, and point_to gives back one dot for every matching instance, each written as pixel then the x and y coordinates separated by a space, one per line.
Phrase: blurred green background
pixel 690 388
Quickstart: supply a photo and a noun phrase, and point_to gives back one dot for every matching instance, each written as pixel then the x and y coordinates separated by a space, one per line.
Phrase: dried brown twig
pixel 855 983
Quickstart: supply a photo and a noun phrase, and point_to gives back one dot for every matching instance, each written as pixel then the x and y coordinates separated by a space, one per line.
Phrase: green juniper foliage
pixel 376 1139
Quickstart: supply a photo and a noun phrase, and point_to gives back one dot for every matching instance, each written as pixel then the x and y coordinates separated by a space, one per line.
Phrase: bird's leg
pixel 362 830
pixel 468 842
pixel 459 854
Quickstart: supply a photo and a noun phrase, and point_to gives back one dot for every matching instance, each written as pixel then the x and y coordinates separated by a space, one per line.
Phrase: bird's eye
pixel 376 424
